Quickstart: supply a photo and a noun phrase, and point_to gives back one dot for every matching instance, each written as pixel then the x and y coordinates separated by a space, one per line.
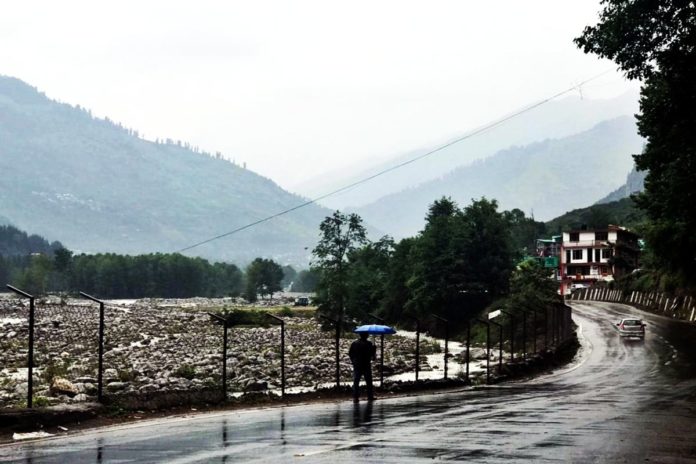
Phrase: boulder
pixel 116 386
pixel 61 386
pixel 254 386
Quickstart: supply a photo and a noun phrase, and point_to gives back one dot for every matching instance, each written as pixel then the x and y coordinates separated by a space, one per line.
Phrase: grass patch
pixel 185 371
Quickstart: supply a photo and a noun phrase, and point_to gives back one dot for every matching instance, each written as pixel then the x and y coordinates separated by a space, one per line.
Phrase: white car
pixel 631 327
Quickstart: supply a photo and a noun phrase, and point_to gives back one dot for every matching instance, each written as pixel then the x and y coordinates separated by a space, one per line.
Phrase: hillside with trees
pixel 544 179
pixel 623 212
pixel 98 187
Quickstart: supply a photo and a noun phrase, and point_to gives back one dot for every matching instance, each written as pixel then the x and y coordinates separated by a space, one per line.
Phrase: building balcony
pixel 588 244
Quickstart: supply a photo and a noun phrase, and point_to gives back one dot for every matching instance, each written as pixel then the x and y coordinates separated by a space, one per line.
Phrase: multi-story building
pixel 589 256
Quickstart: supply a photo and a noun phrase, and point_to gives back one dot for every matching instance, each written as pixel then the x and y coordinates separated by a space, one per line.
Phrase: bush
pixel 185 371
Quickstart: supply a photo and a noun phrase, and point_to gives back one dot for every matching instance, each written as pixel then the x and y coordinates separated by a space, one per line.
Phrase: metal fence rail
pixel 675 306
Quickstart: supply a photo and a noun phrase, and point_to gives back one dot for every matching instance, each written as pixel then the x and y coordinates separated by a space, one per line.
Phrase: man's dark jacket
pixel 361 353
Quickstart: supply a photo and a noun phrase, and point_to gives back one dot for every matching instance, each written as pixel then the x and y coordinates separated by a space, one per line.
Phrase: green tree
pixel 263 277
pixel 531 287
pixel 460 261
pixel 487 248
pixel 35 278
pixel 306 281
pixel 439 268
pixel 655 41
pixel 396 290
pixel 366 277
pixel 289 276
pixel 340 235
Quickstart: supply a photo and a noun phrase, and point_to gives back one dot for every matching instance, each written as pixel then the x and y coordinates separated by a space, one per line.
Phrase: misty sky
pixel 295 88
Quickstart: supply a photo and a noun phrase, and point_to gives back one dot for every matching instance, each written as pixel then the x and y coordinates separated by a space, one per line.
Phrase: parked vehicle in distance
pixel 577 286
pixel 631 327
pixel 302 301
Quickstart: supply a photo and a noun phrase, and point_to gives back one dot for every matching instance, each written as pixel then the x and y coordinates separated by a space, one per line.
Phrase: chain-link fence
pixel 156 353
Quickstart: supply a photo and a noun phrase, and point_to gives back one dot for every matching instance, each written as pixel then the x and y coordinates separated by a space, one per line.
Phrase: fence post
pixel 446 322
pixel 418 327
pixel 226 323
pixel 337 322
pixel 536 332
pixel 30 355
pixel 500 346
pixel 488 350
pixel 468 345
pixel 381 351
pixel 282 352
pixel 524 335
pixel 512 334
pixel 100 371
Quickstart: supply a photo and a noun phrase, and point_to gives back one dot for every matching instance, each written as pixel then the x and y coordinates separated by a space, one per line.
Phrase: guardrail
pixel 677 307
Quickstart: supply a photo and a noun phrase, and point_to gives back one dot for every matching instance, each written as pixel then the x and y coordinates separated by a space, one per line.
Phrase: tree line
pixel 463 260
pixel 109 275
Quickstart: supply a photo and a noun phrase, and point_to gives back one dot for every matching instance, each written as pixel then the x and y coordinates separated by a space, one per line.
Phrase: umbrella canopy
pixel 375 329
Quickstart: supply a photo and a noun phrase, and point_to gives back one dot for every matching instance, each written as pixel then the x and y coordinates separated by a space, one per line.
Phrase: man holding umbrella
pixel 362 352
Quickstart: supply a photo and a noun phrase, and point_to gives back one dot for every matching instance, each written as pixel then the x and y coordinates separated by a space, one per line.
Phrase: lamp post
pixel 100 372
pixel 30 355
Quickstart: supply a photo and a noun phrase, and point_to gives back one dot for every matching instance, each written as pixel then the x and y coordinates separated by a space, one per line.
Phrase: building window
pixel 606 253
pixel 601 236
pixel 574 237
pixel 577 254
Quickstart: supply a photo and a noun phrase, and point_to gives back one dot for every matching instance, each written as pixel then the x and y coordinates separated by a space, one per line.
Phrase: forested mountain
pixel 544 178
pixel 15 242
pixel 98 187
pixel 623 212
pixel 556 119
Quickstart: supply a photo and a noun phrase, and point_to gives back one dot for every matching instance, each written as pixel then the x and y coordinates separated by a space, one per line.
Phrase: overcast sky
pixel 295 88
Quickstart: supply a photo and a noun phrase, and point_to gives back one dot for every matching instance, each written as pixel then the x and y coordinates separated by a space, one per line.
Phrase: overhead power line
pixel 469 135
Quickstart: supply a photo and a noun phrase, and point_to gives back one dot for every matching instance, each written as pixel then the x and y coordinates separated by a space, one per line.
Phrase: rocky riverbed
pixel 165 345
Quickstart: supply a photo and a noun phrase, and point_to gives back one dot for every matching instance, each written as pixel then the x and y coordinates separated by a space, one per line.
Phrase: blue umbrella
pixel 375 329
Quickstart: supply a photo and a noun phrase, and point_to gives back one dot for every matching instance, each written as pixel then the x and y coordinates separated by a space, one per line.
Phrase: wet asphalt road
pixel 622 401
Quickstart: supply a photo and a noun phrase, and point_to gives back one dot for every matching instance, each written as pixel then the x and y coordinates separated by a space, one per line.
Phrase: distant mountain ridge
pixel 98 187
pixel 546 178
pixel 556 119
pixel 635 183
